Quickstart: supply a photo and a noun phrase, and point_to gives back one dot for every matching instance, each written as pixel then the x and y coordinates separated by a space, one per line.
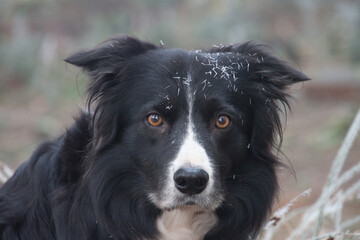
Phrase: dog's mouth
pixel 184 204
pixel 207 203
pixel 190 203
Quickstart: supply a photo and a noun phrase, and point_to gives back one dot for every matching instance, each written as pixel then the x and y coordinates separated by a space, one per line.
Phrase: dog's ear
pixel 108 57
pixel 262 66
pixel 267 80
pixel 270 79
pixel 103 64
pixel 268 70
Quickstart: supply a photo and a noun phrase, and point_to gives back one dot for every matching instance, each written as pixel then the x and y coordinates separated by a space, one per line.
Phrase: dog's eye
pixel 154 119
pixel 222 121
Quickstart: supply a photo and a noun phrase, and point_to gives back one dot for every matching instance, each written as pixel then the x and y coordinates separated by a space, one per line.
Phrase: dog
pixel 174 145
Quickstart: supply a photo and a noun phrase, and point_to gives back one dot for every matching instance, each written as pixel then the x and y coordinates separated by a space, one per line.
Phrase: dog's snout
pixel 191 180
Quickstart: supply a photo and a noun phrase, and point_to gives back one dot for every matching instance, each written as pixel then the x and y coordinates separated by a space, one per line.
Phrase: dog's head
pixel 174 128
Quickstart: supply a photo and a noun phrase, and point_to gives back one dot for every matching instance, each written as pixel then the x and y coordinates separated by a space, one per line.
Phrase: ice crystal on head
pixel 223 66
pixel 187 80
pixel 248 65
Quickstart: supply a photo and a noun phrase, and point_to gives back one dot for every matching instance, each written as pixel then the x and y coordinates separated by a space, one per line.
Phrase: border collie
pixel 176 145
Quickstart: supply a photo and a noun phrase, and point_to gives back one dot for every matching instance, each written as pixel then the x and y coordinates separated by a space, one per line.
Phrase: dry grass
pixel 328 208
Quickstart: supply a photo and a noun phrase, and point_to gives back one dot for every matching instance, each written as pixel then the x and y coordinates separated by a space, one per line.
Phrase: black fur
pixel 93 181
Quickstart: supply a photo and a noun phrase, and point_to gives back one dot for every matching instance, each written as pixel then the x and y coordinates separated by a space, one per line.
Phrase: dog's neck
pixel 185 223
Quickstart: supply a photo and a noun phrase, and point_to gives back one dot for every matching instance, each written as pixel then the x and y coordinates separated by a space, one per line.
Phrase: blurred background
pixel 40 94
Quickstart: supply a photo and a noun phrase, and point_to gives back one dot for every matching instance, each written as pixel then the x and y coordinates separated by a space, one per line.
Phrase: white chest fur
pixel 185 223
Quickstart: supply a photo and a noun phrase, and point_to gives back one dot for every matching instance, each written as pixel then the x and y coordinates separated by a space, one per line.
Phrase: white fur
pixel 191 154
pixel 185 223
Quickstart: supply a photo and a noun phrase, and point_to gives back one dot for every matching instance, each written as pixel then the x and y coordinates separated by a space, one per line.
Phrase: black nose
pixel 191 180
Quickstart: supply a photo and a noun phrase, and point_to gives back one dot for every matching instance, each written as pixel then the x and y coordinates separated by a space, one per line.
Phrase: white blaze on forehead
pixel 192 153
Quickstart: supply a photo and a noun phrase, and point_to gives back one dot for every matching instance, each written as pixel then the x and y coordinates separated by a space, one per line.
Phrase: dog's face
pixel 187 127
pixel 187 124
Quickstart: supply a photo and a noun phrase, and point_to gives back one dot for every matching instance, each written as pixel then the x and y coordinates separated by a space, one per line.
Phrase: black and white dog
pixel 177 146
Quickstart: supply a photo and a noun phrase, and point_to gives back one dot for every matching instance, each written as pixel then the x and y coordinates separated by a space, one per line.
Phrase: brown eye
pixel 154 120
pixel 222 121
